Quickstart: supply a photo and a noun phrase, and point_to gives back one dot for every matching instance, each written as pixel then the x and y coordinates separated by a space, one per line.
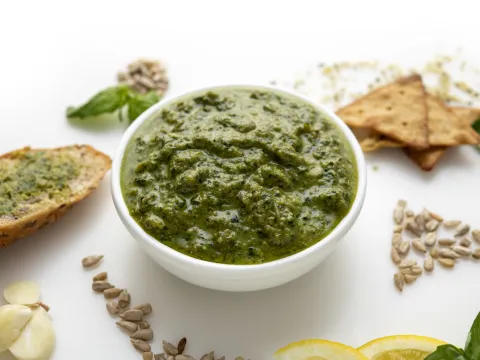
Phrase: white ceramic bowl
pixel 237 277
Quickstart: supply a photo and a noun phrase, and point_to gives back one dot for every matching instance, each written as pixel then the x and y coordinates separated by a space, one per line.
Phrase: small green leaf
pixel 448 352
pixel 472 345
pixel 138 103
pixel 476 125
pixel 106 101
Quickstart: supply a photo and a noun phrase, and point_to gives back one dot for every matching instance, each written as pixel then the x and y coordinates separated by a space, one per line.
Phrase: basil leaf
pixel 476 125
pixel 106 101
pixel 138 103
pixel 448 352
pixel 472 345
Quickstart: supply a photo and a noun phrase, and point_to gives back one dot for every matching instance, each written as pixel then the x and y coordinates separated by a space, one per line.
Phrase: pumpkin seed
pixel 181 345
pixel 132 315
pixel 417 245
pixel 428 264
pixel 448 263
pixel 112 307
pixel 451 224
pixel 127 325
pixel 431 225
pixel 396 240
pixel 143 334
pixel 144 324
pixel 448 253
pixel 420 220
pixel 112 293
pixel 416 270
pixel 476 254
pixel 413 228
pixel 407 264
pixel 101 286
pixel 209 356
pixel 462 230
pixel 446 242
pixel 145 308
pixel 431 238
pixel 461 250
pixel 476 235
pixel 91 260
pixel 397 228
pixel 160 356
pixel 395 256
pixel 465 242
pixel 184 357
pixel 124 299
pixel 434 253
pixel 169 348
pixel 147 355
pixel 409 279
pixel 141 345
pixel 100 277
pixel 404 248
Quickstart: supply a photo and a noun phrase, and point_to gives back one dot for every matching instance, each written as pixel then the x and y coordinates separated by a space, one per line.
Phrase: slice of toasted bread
pixel 34 212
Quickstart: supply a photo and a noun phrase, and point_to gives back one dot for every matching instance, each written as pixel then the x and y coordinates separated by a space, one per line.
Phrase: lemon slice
pixel 400 347
pixel 316 349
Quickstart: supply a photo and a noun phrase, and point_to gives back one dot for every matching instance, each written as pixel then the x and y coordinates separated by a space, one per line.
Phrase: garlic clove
pixel 22 292
pixel 13 319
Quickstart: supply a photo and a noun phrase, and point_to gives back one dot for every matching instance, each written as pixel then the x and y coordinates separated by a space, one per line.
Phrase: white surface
pixel 238 277
pixel 54 54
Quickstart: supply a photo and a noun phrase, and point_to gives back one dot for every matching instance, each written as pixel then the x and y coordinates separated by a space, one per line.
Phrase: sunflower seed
pixel 397 228
pixel 448 253
pixel 100 277
pixel 123 310
pixel 476 235
pixel 181 345
pixel 420 220
pixel 407 264
pixel 398 215
pixel 434 253
pixel 409 279
pixel 160 356
pixel 416 270
pixel 145 81
pixel 413 227
pixel 465 242
pixel 404 248
pixel 143 334
pixel 112 293
pixel 141 345
pixel 448 263
pixel 402 203
pixel 417 245
pixel 184 357
pixel 461 250
pixel 127 325
pixel 446 242
pixel 169 348
pixel 101 286
pixel 132 315
pixel 409 214
pixel 124 299
pixel 222 358
pixel 147 355
pixel 91 260
pixel 144 324
pixel 122 76
pixel 435 216
pixel 430 238
pixel 406 271
pixel 428 264
pixel 451 224
pixel 209 356
pixel 145 308
pixel 396 240
pixel 462 230
pixel 395 256
pixel 112 307
pixel 171 357
pixel 476 254
pixel 431 225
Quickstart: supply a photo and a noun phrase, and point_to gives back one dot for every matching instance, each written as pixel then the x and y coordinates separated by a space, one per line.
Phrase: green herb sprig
pixel 115 99
pixel 476 125
pixel 471 351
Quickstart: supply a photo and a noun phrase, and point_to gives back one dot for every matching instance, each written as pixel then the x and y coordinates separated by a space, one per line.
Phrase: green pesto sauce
pixel 238 176
pixel 34 177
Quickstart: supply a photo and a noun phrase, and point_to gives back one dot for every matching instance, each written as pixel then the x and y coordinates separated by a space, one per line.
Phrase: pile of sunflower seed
pixel 132 319
pixel 423 227
pixel 145 76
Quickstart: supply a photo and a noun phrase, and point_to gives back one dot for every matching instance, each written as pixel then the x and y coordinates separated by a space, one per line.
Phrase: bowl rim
pixel 342 227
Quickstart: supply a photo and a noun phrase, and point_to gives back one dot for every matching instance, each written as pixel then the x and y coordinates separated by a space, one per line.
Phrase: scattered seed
pixel 431 225
pixel 209 356
pixel 406 271
pixel 127 325
pixel 144 308
pixel 430 238
pixel 461 250
pixel 112 307
pixel 147 355
pixel 124 299
pixel 143 334
pixel 101 286
pixel 169 348
pixel 448 253
pixel 409 213
pixel 420 220
pixel 476 254
pixel 222 358
pixel 476 235
pixel 395 256
pixel 181 345
pixel 413 228
pixel 448 263
pixel 239 358
pixel 404 248
pixel 450 224
pixel 132 315
pixel 398 215
pixel 91 260
pixel 184 357
pixel 396 240
pixel 100 277
pixel 417 245
pixel 144 324
pixel 416 270
pixel 141 345
pixel 434 253
pixel 171 357
pixel 397 228
pixel 112 293
pixel 122 310
pixel 428 264
pixel 402 203
pixel 159 356
pixel 435 216
pixel 446 242
pixel 409 279
pixel 407 264
pixel 465 242
pixel 462 230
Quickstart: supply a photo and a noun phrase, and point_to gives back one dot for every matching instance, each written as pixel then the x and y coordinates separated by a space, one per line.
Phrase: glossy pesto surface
pixel 237 176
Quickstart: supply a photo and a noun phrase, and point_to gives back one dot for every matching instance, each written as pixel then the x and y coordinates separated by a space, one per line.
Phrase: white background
pixel 54 54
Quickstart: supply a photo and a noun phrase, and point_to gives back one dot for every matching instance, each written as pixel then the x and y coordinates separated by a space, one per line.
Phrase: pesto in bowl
pixel 238 176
